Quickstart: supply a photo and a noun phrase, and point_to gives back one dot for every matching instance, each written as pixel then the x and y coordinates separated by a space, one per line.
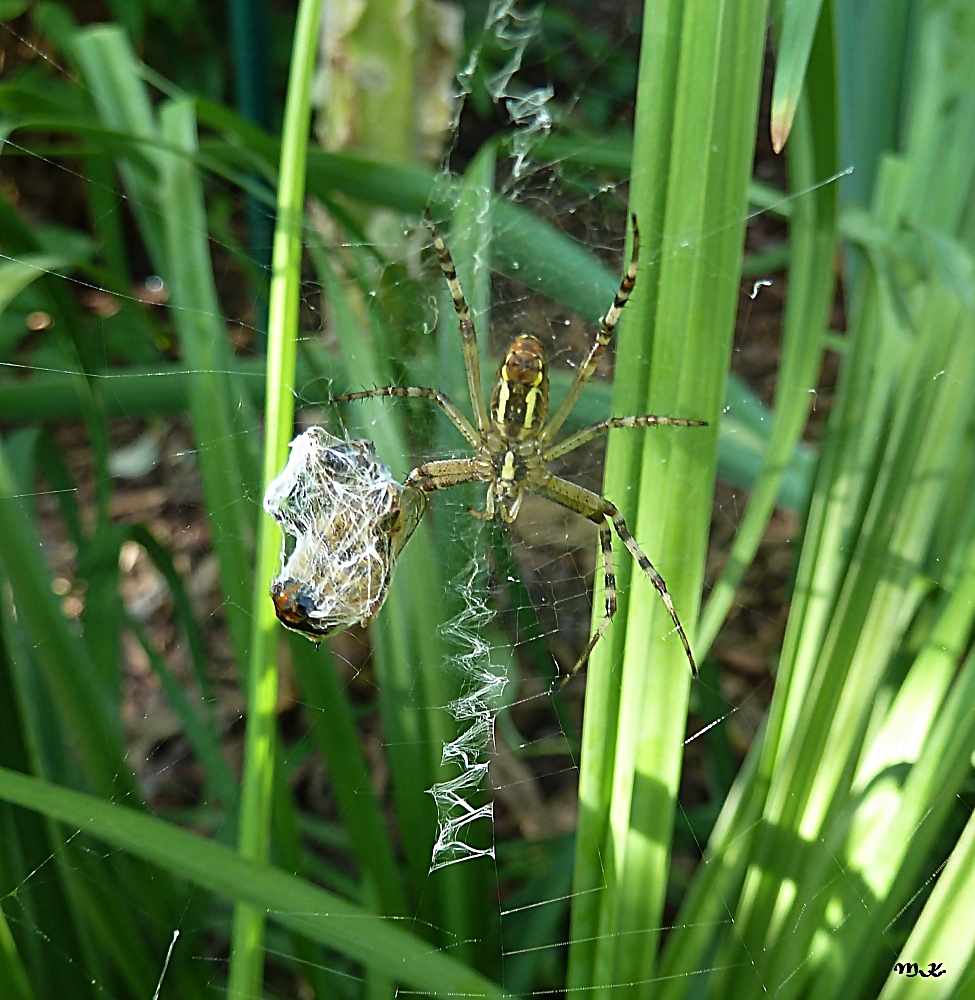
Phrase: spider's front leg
pixel 444 474
pixel 415 392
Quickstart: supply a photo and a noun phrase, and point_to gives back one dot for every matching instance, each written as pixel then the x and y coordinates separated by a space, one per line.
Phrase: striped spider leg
pixel 514 441
pixel 608 518
pixel 603 339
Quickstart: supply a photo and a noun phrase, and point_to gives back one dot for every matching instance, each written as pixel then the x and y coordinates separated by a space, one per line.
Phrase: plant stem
pixel 247 951
pixel 693 142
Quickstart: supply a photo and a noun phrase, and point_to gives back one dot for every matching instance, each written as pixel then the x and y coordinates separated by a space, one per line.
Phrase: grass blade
pixel 182 608
pixel 634 719
pixel 167 199
pixel 716 109
pixel 16 275
pixel 336 734
pixel 13 979
pixel 69 672
pixel 247 951
pixel 799 23
pixel 812 234
pixel 407 646
pixel 944 930
pixel 122 101
pixel 289 901
pixel 220 779
pixel 204 343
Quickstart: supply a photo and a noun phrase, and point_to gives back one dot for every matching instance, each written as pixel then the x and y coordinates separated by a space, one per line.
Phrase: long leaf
pixel 204 342
pixel 247 954
pixel 289 901
pixel 333 729
pixel 16 275
pixel 167 388
pixel 698 89
pixel 943 929
pixel 812 232
pixel 110 70
pixel 69 672
pixel 798 30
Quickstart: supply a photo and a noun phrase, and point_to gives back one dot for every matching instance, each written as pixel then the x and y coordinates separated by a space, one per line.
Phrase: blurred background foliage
pixel 798 842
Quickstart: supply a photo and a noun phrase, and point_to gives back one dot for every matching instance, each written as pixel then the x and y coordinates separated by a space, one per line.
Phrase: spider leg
pixel 609 581
pixel 510 514
pixel 453 472
pixel 412 392
pixel 587 434
pixel 488 513
pixel 603 338
pixel 444 474
pixel 599 509
pixel 468 336
pixel 655 578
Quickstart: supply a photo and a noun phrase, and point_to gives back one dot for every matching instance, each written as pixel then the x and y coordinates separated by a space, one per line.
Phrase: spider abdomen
pixel 519 400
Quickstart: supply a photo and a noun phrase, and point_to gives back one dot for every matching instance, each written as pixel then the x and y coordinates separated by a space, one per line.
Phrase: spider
pixel 514 442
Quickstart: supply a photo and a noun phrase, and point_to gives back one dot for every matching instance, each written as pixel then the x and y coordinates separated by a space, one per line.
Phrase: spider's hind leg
pixel 600 510
pixel 609 585
pixel 655 578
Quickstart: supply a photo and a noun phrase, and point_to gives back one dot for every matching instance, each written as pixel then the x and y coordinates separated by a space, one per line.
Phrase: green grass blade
pixel 537 929
pixel 13 978
pixel 182 608
pixel 897 825
pixel 166 196
pixel 56 668
pixel 716 109
pixel 52 466
pixel 884 474
pixel 874 609
pixel 799 20
pixel 289 901
pixel 203 740
pixel 659 59
pixel 122 101
pixel 247 951
pixel 167 388
pixel 467 889
pixel 406 641
pixel 68 670
pixel 203 340
pixel 943 930
pixel 334 730
pixel 698 208
pixel 820 569
pixel 16 275
pixel 106 208
pixel 812 233
pixel 29 839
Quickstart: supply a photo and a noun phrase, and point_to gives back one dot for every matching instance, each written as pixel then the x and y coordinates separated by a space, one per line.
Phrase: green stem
pixel 693 143
pixel 247 952
pixel 812 239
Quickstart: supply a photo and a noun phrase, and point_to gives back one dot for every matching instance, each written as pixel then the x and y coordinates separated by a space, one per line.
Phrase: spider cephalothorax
pixel 515 441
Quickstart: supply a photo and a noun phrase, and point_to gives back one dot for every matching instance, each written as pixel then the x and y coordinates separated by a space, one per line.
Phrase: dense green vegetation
pixel 844 843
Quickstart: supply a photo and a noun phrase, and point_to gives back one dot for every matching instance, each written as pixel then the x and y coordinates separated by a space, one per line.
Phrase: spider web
pixel 532 768
pixel 521 598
